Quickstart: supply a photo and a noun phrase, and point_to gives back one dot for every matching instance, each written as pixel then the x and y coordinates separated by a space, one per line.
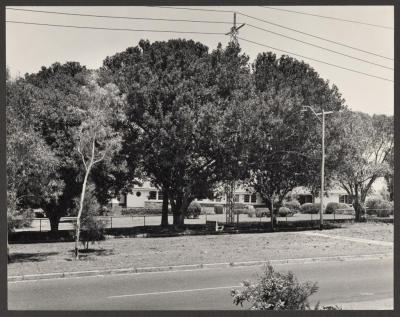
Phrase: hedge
pixel 310 208
pixel 332 207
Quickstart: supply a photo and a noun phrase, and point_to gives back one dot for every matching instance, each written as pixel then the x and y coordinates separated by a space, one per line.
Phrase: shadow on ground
pixel 90 254
pixel 30 257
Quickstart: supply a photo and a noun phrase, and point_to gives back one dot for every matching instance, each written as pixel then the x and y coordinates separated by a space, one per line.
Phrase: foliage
pixel 240 208
pixel 193 210
pixel 92 229
pixel 218 209
pixel 364 147
pixel 286 151
pixel 293 205
pixel 284 211
pixel 96 139
pixel 310 208
pixel 263 212
pixel 180 99
pixel 379 207
pixel 275 291
pixel 332 206
pixel 31 165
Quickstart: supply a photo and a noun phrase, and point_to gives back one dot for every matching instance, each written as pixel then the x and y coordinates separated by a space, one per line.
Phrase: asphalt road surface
pixel 204 289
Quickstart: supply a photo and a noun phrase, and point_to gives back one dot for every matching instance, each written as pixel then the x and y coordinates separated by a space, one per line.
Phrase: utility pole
pixel 230 193
pixel 323 113
pixel 322 172
pixel 234 30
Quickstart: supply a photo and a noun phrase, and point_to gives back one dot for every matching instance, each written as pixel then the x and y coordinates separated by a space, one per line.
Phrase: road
pixel 204 289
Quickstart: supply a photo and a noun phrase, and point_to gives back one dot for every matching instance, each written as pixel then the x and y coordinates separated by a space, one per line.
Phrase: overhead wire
pixel 195 21
pixel 315 60
pixel 281 26
pixel 118 17
pixel 115 29
pixel 328 17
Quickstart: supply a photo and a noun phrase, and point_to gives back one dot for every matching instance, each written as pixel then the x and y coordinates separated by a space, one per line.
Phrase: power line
pixel 195 21
pixel 192 9
pixel 191 32
pixel 281 26
pixel 114 29
pixel 328 17
pixel 315 36
pixel 316 60
pixel 119 17
pixel 321 47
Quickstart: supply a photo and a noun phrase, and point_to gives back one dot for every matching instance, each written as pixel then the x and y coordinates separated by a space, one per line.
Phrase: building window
pixel 152 195
pixel 305 199
pixel 236 198
pixel 160 196
pixel 246 198
pixel 138 194
pixel 253 198
pixel 345 199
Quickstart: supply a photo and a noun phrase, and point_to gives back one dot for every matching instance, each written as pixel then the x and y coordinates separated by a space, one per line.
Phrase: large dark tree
pixel 286 148
pixel 60 87
pixel 32 178
pixel 179 100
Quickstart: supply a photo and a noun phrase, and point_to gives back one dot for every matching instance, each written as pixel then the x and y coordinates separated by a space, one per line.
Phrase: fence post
pixel 334 213
pixel 206 217
pixel 40 225
pixel 144 221
pixel 111 222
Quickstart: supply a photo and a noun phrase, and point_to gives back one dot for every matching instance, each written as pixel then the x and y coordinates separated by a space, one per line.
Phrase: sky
pixel 28 47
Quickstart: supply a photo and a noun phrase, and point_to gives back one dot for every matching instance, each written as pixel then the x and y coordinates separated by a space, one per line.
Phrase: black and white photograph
pixel 204 158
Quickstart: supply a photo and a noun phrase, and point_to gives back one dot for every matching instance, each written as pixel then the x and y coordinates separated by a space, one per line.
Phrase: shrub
pixel 293 205
pixel 379 207
pixel 193 210
pixel 218 209
pixel 240 208
pixel 263 212
pixel 276 291
pixel 251 211
pixel 310 208
pixel 92 229
pixel 207 210
pixel 333 207
pixel 284 211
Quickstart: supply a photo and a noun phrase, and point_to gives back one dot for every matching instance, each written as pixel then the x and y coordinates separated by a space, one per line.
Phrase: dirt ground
pixel 143 252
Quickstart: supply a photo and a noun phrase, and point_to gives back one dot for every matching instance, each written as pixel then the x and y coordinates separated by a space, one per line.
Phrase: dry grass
pixel 142 252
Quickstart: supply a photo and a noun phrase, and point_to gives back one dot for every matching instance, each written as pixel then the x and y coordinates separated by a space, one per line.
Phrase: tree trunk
pixel 78 218
pixel 54 219
pixel 164 214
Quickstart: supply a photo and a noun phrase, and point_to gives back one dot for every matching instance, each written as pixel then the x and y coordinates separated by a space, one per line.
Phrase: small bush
pixel 207 210
pixel 310 208
pixel 334 207
pixel 218 209
pixel 284 211
pixel 276 291
pixel 251 211
pixel 193 210
pixel 240 208
pixel 379 207
pixel 92 230
pixel 293 205
pixel 263 212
